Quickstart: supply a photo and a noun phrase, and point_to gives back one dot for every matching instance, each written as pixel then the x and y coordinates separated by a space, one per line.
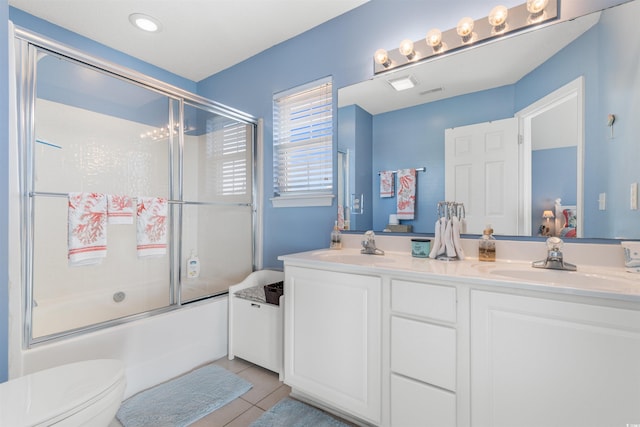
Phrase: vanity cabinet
pixel 410 347
pixel 333 339
pixel 543 362
pixel 423 354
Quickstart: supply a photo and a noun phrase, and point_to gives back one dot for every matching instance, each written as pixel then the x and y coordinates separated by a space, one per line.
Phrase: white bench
pixel 256 327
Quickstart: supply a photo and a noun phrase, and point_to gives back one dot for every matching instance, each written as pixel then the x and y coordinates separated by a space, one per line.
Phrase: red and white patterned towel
pixel 151 227
pixel 406 193
pixel 87 228
pixel 119 209
pixel 387 179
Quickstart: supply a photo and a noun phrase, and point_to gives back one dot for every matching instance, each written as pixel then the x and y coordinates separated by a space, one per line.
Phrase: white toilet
pixel 85 393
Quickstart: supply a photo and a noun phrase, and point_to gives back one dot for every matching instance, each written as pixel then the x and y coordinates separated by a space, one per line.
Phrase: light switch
pixel 633 197
pixel 602 201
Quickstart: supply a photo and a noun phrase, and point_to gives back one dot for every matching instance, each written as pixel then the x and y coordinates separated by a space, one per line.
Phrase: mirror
pixel 388 130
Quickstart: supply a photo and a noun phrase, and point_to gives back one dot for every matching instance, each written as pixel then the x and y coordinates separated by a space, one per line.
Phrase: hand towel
pixel 439 247
pixel 448 240
pixel 406 193
pixel 119 209
pixel 435 248
pixel 87 231
pixel 457 243
pixel 386 184
pixel 151 226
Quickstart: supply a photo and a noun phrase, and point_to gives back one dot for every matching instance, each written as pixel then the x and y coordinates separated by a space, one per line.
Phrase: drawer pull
pixel 253 304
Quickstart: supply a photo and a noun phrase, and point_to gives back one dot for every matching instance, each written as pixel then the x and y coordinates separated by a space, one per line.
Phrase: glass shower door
pixel 98 134
pixel 217 215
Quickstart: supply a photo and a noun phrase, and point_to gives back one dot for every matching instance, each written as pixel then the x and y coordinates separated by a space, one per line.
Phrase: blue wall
pixel 555 176
pixel 608 56
pixel 618 94
pixel 341 48
pixel 414 137
pixel 355 127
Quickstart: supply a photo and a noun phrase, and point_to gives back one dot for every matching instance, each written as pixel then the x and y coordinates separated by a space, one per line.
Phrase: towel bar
pixel 179 202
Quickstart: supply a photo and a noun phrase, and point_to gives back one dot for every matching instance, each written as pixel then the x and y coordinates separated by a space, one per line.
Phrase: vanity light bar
pixel 518 18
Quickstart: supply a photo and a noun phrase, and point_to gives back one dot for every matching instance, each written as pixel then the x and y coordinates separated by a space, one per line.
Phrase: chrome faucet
pixel 554 259
pixel 369 244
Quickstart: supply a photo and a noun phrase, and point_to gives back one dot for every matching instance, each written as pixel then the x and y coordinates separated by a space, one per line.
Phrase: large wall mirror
pixel 561 85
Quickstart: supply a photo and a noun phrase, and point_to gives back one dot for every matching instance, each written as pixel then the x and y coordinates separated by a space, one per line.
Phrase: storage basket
pixel 273 292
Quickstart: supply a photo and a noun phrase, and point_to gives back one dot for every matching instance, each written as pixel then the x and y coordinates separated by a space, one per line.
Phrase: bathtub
pixel 154 348
pixel 66 313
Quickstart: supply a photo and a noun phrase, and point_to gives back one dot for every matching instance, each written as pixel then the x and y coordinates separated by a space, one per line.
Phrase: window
pixel 227 147
pixel 303 146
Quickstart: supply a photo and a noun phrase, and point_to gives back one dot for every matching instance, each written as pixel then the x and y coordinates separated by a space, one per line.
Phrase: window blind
pixel 303 141
pixel 227 150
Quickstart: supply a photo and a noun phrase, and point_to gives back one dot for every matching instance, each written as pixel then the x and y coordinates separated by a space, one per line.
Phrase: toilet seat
pixel 53 395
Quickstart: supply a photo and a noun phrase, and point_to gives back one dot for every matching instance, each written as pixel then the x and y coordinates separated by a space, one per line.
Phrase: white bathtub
pixel 154 349
pixel 55 315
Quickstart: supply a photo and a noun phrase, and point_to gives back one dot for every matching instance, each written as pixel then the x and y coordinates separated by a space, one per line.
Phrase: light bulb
pixel 406 48
pixel 381 57
pixel 434 37
pixel 465 28
pixel 498 16
pixel 536 6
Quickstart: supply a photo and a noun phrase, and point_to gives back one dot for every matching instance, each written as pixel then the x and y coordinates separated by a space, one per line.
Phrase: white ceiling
pixel 199 37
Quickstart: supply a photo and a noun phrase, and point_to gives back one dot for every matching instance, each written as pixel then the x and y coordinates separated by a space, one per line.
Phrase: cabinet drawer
pixel 423 351
pixel 417 404
pixel 422 299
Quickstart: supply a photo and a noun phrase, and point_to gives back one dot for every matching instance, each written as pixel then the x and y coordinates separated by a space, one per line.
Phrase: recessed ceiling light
pixel 403 83
pixel 145 22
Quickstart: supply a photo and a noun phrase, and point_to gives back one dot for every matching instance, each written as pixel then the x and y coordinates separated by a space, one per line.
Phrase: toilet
pixel 86 393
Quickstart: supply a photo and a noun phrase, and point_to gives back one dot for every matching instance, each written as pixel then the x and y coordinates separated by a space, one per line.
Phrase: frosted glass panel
pixel 217 158
pixel 221 236
pixel 106 135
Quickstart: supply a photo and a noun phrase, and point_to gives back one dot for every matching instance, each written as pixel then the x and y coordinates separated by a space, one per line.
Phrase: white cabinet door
pixel 332 339
pixel 538 362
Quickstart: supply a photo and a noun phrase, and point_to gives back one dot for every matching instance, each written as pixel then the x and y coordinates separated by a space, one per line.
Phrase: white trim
pixel 302 201
pixel 259 197
pixel 573 89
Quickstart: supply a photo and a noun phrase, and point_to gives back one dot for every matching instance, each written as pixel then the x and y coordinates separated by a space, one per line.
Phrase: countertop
pixel 590 281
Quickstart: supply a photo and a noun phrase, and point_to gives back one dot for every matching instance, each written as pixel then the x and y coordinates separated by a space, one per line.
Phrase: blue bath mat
pixel 292 413
pixel 183 400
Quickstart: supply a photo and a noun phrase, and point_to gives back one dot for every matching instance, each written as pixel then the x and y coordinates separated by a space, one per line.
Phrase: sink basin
pixel 561 277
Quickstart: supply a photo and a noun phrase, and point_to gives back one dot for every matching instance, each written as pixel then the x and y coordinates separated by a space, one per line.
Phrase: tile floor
pixel 267 390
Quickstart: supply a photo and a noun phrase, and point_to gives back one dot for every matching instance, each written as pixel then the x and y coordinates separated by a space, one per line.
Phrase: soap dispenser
pixel 487 245
pixel 193 266
pixel 336 237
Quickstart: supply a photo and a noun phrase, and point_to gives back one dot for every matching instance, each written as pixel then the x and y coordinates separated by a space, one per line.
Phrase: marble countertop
pixel 591 281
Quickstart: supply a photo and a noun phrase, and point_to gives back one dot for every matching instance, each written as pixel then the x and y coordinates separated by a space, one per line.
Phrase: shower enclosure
pixel 88 126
